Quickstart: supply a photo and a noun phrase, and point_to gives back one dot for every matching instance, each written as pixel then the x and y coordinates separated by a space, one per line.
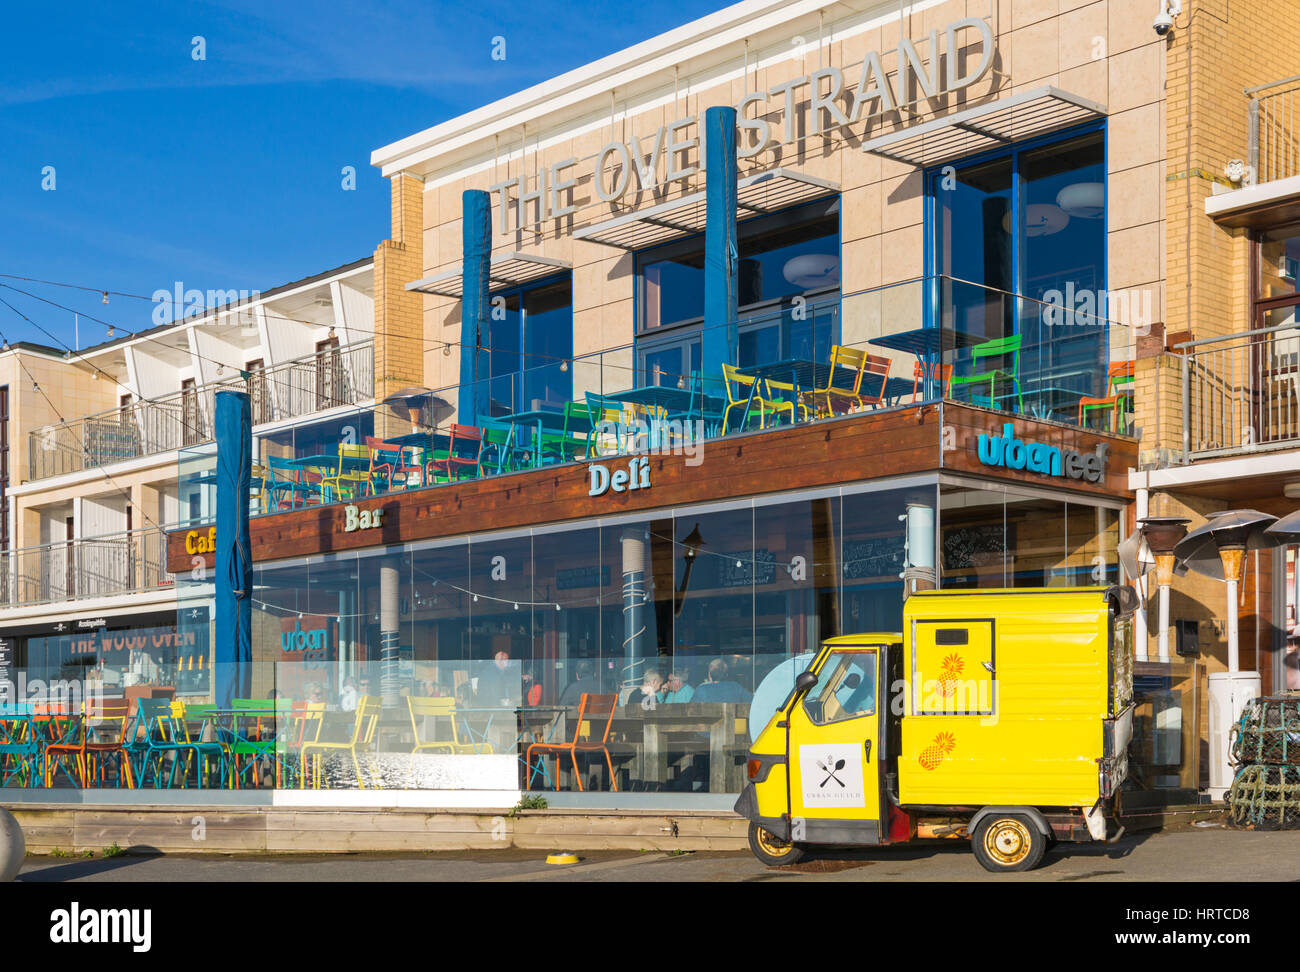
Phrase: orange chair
pixel 389 460
pixel 921 372
pixel 100 734
pixel 1119 373
pixel 591 709
pixel 456 459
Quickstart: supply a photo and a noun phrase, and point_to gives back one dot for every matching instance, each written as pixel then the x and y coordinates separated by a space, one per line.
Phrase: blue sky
pixel 226 173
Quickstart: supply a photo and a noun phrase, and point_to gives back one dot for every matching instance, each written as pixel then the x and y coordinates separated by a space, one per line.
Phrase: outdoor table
pixel 928 345
pixel 548 420
pixel 718 719
pixel 803 375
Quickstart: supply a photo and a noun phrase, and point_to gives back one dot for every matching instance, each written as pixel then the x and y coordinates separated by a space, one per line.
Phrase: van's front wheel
pixel 772 850
pixel 1008 843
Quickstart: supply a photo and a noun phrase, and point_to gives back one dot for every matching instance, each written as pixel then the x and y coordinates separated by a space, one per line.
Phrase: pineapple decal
pixel 949 670
pixel 933 754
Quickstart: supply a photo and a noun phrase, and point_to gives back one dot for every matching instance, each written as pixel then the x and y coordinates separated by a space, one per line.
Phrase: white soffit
pixel 988 126
pixel 763 192
pixel 507 270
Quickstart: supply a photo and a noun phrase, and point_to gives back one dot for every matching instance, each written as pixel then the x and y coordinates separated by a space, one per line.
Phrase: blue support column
pixel 233 653
pixel 476 247
pixel 720 259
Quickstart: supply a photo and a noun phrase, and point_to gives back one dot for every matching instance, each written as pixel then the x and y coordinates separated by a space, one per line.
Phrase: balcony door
pixel 191 426
pixel 329 374
pixel 258 398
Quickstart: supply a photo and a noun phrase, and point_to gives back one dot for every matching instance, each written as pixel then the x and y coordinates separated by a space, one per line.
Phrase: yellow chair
pixel 791 400
pixel 764 406
pixel 436 709
pixel 345 483
pixel 852 364
pixel 363 734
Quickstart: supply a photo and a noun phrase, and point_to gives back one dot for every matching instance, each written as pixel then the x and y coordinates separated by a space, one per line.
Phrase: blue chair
pixel 288 482
pixel 164 735
pixel 21 758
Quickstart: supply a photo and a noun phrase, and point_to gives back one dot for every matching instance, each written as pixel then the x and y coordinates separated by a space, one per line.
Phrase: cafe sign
pixel 201 541
pixel 671 154
pixel 1008 452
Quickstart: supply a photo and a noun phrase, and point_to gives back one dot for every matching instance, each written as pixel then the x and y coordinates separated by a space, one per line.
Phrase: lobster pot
pixel 1266 797
pixel 1269 732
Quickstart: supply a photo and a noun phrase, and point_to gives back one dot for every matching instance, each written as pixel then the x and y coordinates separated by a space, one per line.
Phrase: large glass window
pixel 522 364
pixel 788 279
pixel 1019 247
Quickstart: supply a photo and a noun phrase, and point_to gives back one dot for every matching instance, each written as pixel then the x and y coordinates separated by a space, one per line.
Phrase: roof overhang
pixel 1257 207
pixel 756 195
pixel 985 127
pixel 507 270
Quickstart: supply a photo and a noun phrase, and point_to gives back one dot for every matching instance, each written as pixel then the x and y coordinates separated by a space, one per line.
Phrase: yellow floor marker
pixel 562 857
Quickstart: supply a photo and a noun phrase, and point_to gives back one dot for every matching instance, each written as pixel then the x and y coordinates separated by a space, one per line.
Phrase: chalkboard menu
pixel 573 578
pixel 877 557
pixel 6 661
pixel 745 568
pixel 962 544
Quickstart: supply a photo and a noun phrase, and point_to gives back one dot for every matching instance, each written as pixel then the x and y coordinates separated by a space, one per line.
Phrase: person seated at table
pixel 348 697
pixel 532 687
pixel 364 687
pixel 678 687
pixel 465 693
pixel 650 688
pixel 718 688
pixel 499 685
pixel 584 682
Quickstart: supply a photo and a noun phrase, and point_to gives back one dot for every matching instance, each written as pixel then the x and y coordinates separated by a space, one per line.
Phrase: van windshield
pixel 846 687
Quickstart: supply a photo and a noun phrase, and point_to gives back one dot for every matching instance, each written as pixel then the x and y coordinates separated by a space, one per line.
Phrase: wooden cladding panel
pixel 874 445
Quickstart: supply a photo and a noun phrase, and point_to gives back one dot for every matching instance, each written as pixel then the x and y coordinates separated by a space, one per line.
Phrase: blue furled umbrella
pixel 233 654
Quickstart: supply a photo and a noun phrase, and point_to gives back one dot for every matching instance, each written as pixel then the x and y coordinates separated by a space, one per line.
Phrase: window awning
pixel 764 192
pixel 507 270
pixel 990 126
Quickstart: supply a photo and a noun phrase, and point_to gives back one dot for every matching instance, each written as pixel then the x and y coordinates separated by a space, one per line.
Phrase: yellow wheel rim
pixel 1007 841
pixel 771 845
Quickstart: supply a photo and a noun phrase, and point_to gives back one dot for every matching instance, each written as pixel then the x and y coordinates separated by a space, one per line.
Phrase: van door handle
pixel 867 748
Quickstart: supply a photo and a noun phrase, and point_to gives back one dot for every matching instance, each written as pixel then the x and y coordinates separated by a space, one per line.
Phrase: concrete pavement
pixel 1210 854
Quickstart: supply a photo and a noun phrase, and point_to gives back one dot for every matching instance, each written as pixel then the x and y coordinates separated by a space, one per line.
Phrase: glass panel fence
pixel 809 361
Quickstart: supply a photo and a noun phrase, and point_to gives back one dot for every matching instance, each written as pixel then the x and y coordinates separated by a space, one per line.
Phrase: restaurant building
pixel 712 349
pixel 719 346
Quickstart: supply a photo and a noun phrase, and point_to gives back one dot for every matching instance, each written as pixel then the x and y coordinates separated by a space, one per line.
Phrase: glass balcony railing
pixel 316 383
pixel 892 347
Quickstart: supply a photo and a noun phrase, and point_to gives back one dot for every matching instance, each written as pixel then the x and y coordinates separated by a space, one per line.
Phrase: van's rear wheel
pixel 1008 843
pixel 772 850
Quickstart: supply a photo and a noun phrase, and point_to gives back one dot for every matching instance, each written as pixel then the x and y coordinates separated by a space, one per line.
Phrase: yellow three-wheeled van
pixel 1003 716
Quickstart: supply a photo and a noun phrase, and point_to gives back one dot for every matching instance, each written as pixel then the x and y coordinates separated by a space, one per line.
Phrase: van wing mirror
pixel 804 682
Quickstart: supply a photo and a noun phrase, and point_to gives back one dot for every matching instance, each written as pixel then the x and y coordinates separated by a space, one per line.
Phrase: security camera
pixel 1164 22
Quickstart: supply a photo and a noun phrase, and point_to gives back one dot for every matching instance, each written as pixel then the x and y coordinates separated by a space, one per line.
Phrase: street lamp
pixel 1162 534
pixel 1218 549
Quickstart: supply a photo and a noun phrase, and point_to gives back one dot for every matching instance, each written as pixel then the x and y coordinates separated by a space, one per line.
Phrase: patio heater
pixel 1218 550
pixel 1137 560
pixel 1162 534
pixel 1287 532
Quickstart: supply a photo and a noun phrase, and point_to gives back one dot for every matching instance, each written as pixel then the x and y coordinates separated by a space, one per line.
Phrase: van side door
pixel 835 751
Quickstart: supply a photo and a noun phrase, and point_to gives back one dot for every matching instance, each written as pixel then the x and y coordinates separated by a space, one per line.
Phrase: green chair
pixel 601 408
pixel 992 374
pixel 500 454
pixel 252 737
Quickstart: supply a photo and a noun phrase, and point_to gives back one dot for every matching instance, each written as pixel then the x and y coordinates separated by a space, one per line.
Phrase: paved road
pixel 1202 854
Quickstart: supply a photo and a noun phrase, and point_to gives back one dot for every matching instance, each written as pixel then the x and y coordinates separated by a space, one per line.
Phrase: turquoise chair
pixel 164 739
pixel 289 481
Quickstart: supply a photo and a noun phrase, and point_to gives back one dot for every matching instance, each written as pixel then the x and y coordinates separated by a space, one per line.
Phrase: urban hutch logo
pixel 1038 457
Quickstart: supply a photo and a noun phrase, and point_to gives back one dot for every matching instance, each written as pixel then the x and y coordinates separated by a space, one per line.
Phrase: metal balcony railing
pixel 1275 129
pixel 121 563
pixel 1241 393
pixel 327 379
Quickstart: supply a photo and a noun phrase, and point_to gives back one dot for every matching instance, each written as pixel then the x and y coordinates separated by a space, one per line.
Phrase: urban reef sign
pixel 666 157
pixel 1009 452
pixel 635 476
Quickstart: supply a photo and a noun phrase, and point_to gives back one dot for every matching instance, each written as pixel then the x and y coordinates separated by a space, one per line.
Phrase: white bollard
pixel 13 848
